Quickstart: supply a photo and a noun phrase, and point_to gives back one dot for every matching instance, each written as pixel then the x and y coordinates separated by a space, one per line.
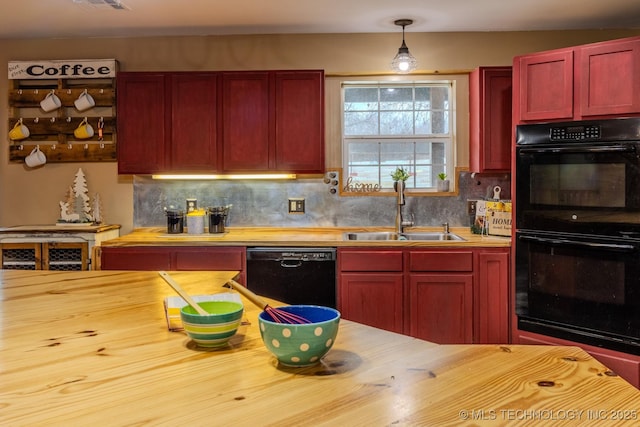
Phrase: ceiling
pixel 134 18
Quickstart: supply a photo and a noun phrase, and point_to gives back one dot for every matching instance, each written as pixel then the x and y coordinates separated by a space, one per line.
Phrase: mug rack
pixel 53 132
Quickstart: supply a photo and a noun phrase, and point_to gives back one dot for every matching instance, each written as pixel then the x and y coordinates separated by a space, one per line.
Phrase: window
pixel 390 125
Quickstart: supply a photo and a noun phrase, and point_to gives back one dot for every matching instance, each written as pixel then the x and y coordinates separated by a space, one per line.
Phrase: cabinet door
pixel 142 122
pixel 193 122
pixel 608 76
pixel 65 256
pixel 492 297
pixel 299 126
pixel 372 299
pixel 545 88
pixel 21 256
pixel 490 119
pixel 441 307
pixel 245 122
pixel 135 258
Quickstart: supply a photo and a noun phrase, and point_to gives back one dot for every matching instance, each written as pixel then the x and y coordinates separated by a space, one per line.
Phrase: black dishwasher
pixel 293 275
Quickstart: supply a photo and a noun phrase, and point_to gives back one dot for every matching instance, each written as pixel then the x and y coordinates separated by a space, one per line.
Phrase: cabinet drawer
pixel 210 259
pixel 440 261
pixel 363 260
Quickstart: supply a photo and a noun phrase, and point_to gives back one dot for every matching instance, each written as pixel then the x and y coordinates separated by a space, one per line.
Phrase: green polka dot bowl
pixel 215 329
pixel 298 345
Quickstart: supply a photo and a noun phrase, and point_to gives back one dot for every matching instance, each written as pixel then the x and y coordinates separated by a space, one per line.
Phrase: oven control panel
pixel 575 133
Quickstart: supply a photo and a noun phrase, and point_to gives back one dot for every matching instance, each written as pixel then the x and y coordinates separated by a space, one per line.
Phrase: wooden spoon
pixel 185 296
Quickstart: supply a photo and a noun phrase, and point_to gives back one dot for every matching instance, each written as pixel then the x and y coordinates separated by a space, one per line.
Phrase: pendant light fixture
pixel 404 62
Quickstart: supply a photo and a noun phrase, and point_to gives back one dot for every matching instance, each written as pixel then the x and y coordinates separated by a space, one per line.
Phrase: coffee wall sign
pixel 62 111
pixel 63 69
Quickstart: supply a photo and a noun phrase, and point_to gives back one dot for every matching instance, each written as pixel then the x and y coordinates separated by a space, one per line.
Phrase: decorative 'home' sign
pixel 63 69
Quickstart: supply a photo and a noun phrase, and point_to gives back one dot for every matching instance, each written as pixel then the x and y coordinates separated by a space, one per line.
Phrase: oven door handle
pixel 612 247
pixel 583 149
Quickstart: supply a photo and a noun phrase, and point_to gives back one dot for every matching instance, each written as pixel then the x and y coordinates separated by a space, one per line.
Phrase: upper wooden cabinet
pixel 490 119
pixel 543 85
pixel 221 122
pixel 594 80
pixel 273 121
pixel 609 76
pixel 193 146
pixel 168 122
pixel 143 115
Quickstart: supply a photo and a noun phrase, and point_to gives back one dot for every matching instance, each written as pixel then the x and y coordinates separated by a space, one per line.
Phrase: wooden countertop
pixel 83 348
pixel 53 228
pixel 276 236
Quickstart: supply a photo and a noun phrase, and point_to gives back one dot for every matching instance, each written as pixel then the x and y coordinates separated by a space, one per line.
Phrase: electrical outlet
pixel 471 207
pixel 296 205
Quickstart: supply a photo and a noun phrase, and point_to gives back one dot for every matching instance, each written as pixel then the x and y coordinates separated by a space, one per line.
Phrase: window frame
pixel 450 139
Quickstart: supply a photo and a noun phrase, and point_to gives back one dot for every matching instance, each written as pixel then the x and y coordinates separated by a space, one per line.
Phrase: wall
pixel 32 196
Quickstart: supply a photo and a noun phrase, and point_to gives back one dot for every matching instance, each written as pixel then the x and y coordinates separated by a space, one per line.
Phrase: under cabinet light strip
pixel 220 177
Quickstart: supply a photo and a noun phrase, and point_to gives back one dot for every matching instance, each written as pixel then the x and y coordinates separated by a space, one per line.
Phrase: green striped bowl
pixel 215 329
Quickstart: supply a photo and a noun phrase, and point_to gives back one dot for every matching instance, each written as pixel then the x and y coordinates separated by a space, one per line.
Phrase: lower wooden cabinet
pixel 492 295
pixel 62 256
pixel 371 287
pixel 373 299
pixel 441 307
pixel 174 258
pixel 440 296
pixel 447 296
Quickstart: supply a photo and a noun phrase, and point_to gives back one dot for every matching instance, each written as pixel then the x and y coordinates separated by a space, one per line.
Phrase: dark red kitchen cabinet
pixel 490 92
pixel 167 122
pixel 193 146
pixel 135 258
pixel 609 76
pixel 180 258
pixel 246 126
pixel 492 316
pixel 371 287
pixel 578 83
pixel 440 295
pixel 543 83
pixel 441 307
pixel 143 117
pixel 373 299
pixel 299 121
pixel 273 121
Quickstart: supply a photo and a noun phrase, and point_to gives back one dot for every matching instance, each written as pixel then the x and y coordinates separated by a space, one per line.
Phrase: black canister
pixel 217 218
pixel 175 221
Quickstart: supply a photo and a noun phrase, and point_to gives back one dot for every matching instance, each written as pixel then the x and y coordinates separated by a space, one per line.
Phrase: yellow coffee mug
pixel 19 131
pixel 84 130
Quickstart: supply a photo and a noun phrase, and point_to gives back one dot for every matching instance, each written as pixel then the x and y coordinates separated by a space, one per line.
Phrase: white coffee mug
pixel 84 101
pixel 19 131
pixel 50 102
pixel 35 158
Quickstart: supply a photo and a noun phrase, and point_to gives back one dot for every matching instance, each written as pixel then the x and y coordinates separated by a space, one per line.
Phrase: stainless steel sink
pixel 371 235
pixel 431 236
pixel 388 235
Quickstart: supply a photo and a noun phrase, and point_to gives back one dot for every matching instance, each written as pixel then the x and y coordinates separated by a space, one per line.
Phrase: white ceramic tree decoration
pixel 97 209
pixel 82 192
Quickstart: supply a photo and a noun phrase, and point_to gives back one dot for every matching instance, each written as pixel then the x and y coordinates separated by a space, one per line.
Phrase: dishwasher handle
pixel 290 263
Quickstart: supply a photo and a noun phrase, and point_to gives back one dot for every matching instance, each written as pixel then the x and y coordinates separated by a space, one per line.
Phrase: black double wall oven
pixel 577 218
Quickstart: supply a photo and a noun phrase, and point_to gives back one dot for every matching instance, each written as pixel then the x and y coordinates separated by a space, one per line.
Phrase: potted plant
pixel 443 183
pixel 399 175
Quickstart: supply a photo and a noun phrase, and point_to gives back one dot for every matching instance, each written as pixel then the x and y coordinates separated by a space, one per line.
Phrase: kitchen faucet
pixel 400 222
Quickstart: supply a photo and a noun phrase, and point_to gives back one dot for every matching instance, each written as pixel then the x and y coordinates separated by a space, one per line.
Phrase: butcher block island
pixel 94 347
